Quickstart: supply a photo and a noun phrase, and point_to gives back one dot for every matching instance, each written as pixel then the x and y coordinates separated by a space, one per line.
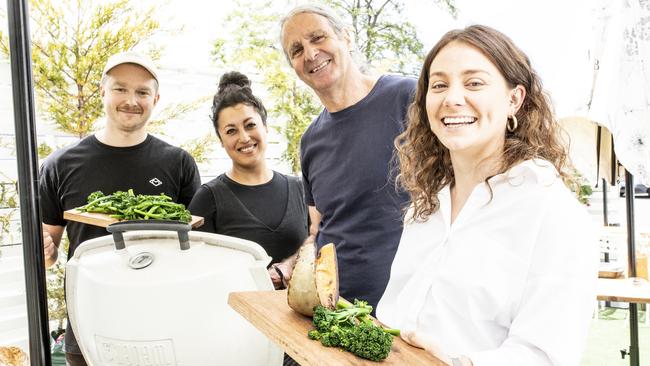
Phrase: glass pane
pixel 13 310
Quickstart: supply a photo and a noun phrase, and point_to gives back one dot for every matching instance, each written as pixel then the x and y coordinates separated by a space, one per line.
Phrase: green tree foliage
pixel 55 278
pixel 580 187
pixel 252 43
pixel 201 147
pixel 174 112
pixel 44 150
pixel 386 40
pixel 8 202
pixel 57 310
pixel 449 5
pixel 71 41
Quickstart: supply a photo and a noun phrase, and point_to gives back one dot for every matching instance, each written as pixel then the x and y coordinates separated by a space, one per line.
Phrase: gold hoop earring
pixel 512 127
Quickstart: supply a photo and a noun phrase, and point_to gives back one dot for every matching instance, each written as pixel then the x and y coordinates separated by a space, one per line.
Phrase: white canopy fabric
pixel 591 150
pixel 556 35
pixel 594 59
pixel 620 98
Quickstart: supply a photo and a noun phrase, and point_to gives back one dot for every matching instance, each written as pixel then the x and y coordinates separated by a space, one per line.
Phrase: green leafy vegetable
pixel 129 206
pixel 351 328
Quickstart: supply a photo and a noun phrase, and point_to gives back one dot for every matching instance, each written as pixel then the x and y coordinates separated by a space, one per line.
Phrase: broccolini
pixel 129 206
pixel 351 328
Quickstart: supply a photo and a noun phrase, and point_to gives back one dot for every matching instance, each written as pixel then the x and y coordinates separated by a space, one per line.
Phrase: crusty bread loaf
pixel 327 276
pixel 314 280
pixel 301 292
pixel 13 356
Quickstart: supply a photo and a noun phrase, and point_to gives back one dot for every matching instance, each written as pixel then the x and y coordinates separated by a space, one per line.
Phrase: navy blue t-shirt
pixel 348 171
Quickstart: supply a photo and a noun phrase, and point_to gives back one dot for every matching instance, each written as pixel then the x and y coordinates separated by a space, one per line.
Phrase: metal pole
pixel 631 262
pixel 30 216
pixel 605 209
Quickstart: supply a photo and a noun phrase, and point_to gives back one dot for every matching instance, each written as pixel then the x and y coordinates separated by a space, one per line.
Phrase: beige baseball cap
pixel 130 57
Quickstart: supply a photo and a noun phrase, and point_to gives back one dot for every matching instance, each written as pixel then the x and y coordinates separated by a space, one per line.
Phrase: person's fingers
pixel 48 244
pixel 286 270
pixel 412 338
pixel 420 340
pixel 49 252
pixel 273 274
pixel 275 278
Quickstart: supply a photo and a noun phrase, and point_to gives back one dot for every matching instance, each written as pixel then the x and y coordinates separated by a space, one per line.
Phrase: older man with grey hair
pixel 346 152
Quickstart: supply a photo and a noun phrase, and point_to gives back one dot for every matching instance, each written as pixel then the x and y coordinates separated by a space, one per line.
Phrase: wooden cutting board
pixel 268 312
pixel 103 220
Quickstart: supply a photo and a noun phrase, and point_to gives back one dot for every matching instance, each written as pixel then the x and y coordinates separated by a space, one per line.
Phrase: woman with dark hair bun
pixel 497 263
pixel 251 201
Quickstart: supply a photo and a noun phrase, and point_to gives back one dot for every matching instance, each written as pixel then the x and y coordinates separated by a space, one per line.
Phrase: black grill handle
pixel 118 228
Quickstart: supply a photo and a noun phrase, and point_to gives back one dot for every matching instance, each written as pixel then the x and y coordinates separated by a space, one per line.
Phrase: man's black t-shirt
pixel 70 174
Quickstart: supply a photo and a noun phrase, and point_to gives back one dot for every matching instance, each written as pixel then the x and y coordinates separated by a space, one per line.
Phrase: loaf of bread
pixel 13 356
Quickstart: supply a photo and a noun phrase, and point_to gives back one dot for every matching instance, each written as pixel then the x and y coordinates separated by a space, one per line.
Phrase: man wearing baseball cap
pixel 119 157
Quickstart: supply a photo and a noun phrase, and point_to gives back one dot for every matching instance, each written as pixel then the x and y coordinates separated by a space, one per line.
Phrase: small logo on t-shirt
pixel 155 181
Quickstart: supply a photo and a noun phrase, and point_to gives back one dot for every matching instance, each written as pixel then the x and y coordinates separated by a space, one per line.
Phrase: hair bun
pixel 233 78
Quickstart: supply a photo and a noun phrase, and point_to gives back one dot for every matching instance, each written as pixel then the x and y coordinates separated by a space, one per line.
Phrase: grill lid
pixel 157 295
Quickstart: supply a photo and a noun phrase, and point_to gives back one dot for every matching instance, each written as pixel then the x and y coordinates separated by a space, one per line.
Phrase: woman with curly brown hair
pixel 497 264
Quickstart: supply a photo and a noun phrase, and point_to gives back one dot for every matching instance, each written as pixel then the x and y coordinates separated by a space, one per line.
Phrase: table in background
pixel 636 290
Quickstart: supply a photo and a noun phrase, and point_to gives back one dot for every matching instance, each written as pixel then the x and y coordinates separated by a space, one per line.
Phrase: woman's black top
pixel 272 214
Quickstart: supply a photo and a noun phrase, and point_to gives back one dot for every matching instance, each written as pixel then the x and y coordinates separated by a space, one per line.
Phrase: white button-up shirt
pixel 511 282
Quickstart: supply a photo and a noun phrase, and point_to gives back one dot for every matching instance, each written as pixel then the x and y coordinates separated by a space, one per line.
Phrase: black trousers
pixel 75 359
pixel 288 361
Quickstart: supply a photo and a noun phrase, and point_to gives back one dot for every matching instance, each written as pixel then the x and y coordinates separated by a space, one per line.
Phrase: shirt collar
pixel 542 171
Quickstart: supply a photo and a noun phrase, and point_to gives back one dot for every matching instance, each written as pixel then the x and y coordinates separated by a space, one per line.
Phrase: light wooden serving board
pixel 268 312
pixel 103 220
